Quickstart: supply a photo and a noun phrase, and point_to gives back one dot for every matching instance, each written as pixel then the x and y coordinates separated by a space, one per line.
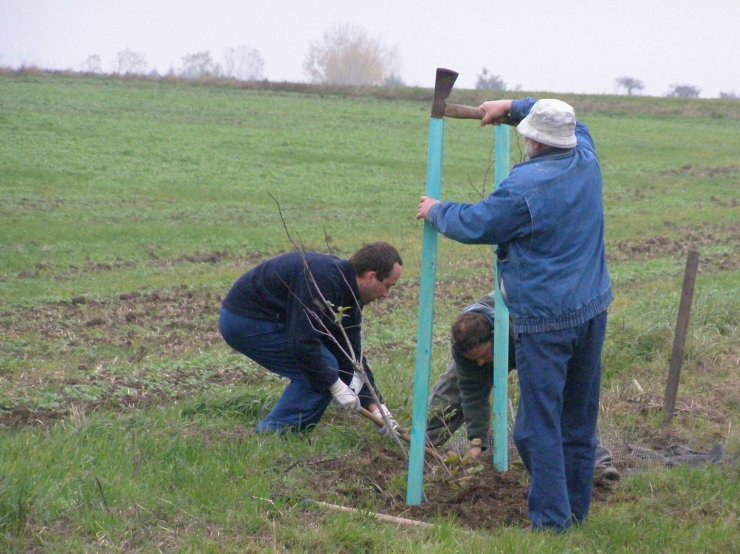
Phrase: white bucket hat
pixel 551 122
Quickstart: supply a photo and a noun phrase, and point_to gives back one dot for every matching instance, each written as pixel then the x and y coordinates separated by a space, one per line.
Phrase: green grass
pixel 130 206
pixel 185 480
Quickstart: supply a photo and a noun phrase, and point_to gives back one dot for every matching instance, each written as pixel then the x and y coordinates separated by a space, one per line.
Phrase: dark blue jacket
pixel 547 218
pixel 285 289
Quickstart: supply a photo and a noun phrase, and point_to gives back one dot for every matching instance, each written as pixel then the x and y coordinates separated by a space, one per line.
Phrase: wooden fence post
pixel 679 339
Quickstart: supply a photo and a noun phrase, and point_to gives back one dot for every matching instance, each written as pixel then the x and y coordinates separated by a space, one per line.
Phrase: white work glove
pixel 345 397
pixel 391 420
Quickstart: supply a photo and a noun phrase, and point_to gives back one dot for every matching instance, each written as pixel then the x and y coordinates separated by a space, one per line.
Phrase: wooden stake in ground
pixel 379 517
pixel 679 339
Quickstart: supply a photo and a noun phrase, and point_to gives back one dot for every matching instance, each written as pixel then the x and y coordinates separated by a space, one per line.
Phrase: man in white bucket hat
pixel 547 220
pixel 551 123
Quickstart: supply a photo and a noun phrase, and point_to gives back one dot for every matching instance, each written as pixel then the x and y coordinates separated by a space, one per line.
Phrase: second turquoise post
pixel 501 330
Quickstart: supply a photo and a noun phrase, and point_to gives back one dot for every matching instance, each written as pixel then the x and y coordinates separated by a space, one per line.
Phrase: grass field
pixel 130 206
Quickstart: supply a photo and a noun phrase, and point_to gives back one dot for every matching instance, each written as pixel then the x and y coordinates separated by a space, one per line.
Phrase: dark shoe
pixel 609 473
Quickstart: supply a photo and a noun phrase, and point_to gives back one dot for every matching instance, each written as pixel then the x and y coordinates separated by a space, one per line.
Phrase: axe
pixel 440 108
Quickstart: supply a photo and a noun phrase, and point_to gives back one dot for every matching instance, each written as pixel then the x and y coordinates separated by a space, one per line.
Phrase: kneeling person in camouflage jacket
pixel 462 393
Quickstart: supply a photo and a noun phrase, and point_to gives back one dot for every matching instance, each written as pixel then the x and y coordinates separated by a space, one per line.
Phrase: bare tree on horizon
pixel 629 84
pixel 346 55
pixel 683 91
pixel 129 62
pixel 92 64
pixel 489 81
pixel 198 65
pixel 243 63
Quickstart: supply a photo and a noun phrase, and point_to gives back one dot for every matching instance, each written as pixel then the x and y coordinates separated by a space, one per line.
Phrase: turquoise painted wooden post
pixel 501 331
pixel 414 490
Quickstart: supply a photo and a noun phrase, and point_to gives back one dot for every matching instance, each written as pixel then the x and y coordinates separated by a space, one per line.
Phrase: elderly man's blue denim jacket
pixel 547 219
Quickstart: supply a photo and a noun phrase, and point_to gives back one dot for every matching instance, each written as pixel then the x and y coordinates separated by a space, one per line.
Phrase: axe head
pixel 442 88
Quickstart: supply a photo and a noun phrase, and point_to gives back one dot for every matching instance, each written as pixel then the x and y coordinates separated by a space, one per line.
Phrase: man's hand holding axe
pixel 493 112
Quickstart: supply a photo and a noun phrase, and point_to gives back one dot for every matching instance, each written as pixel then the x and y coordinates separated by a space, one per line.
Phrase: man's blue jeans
pixel 266 342
pixel 555 429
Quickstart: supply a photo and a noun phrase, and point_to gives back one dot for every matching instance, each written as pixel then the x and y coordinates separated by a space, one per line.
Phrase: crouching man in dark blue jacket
pixel 547 220
pixel 300 315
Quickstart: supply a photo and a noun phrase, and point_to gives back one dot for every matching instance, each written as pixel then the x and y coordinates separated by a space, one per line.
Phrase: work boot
pixel 609 473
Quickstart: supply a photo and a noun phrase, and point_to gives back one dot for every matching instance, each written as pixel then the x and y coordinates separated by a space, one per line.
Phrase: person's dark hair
pixel 470 330
pixel 379 257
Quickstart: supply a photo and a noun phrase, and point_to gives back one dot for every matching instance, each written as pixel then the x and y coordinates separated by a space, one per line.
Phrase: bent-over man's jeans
pixel 266 342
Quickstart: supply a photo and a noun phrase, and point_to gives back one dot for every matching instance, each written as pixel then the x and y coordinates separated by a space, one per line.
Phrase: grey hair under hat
pixel 551 122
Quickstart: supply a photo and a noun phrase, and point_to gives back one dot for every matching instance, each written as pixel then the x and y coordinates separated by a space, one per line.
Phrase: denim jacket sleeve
pixel 496 220
pixel 584 137
pixel 520 108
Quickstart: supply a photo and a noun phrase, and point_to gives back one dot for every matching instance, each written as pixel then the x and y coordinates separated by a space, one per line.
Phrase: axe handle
pixel 458 111
pixel 377 420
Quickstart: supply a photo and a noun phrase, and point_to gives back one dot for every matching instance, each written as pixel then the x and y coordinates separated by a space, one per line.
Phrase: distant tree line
pixel 631 86
pixel 242 62
pixel 345 55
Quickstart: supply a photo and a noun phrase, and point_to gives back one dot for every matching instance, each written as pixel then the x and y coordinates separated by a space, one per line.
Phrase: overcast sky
pixel 577 46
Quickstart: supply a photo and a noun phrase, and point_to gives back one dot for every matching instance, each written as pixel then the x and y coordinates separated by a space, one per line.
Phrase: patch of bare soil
pixel 134 329
pixel 117 264
pixel 688 238
pixel 484 499
pixel 165 321
pixel 21 416
pixel 458 292
pixel 689 170
pixel 121 392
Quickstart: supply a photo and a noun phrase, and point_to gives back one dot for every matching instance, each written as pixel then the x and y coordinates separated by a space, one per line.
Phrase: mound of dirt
pixel 484 499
